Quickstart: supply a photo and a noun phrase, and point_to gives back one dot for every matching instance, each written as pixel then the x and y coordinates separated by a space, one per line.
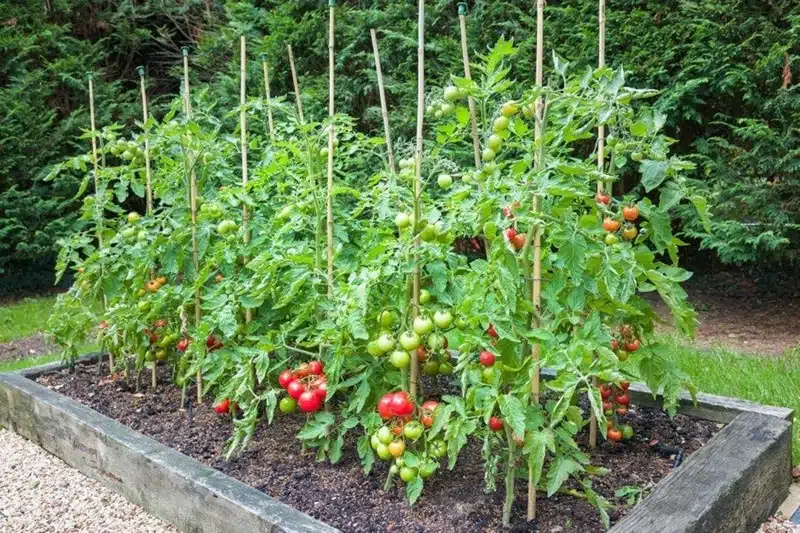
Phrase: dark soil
pixel 32 346
pixel 341 495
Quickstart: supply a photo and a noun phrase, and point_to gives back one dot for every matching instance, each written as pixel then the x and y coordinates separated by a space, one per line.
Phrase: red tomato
pixel 183 345
pixel 295 389
pixel 630 213
pixel 385 406
pixel 223 406
pixel 309 402
pixel 491 331
pixel 622 399
pixel 210 341
pixel 614 344
pixel 486 358
pixel 315 367
pixel 605 392
pixel 401 405
pixel 427 412
pixel 622 411
pixel 519 241
pixel 602 198
pixel 611 225
pixel 624 385
pixel 422 353
pixel 614 435
pixel 302 371
pixel 632 346
pixel 607 406
pixel 511 233
pixel 496 423
pixel 103 325
pixel 285 377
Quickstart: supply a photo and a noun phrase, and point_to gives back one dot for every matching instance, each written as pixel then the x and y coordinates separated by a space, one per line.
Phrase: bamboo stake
pixel 269 98
pixel 331 137
pixel 601 141
pixel 476 143
pixel 187 108
pixel 384 109
pixel 97 195
pixel 537 235
pixel 147 171
pixel 248 313
pixel 296 86
pixel 418 177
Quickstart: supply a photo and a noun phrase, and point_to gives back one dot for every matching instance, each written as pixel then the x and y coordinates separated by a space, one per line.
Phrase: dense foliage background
pixel 724 67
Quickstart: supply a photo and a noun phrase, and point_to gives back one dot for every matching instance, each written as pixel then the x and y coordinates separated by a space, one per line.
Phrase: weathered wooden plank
pixel 168 484
pixel 730 485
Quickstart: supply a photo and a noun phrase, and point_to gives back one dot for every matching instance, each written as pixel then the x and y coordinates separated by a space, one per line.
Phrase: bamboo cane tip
pixel 185 51
pixel 90 75
pixel 264 57
pixel 462 8
pixel 332 3
pixel 140 70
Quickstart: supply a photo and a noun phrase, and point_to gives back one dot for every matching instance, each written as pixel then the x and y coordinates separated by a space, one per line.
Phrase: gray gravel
pixel 40 493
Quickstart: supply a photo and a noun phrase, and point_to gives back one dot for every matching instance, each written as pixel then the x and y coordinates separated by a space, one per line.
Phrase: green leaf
pixel 639 129
pixel 560 470
pixel 513 413
pixel 414 489
pixel 701 205
pixel 653 173
pixel 536 448
pixel 365 453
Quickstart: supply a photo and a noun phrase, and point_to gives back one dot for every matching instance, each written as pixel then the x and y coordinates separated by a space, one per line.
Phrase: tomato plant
pixel 266 334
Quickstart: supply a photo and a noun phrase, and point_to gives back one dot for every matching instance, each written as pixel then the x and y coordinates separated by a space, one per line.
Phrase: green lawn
pixel 25 317
pixel 765 380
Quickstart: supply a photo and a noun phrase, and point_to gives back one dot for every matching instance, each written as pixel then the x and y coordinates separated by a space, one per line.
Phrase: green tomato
pixel 428 234
pixel 489 168
pixel 500 124
pixel 127 155
pixel 445 369
pixel 438 115
pixel 226 227
pixel 288 405
pixel 430 110
pixel 402 220
pixel 426 470
pixel 285 213
pixel 627 431
pixel 488 154
pixel 408 474
pixel 373 350
pixel 611 141
pixel 422 325
pixel 430 368
pixel 134 217
pixel 424 296
pixel 611 239
pixel 400 359
pixel 384 435
pixel 438 448
pixel 413 430
pixel 400 462
pixel 435 341
pixel 393 470
pixel 447 109
pixel 443 319
pixel 488 374
pixel 409 340
pixel 461 323
pixel 386 318
pixel 444 181
pixel 637 156
pixel 323 153
pixel 142 236
pixel 509 109
pixel 128 233
pixel 383 452
pixel 385 343
pixel 451 93
pixel 374 441
pixel 495 142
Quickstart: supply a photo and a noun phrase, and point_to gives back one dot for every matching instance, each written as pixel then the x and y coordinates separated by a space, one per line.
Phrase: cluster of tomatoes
pixel 160 339
pixel 615 405
pixel 613 226
pixel 306 386
pixel 487 359
pixel 389 441
pixel 425 341
pixel 626 344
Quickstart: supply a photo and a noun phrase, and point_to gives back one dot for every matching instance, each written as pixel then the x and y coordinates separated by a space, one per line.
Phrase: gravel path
pixel 41 494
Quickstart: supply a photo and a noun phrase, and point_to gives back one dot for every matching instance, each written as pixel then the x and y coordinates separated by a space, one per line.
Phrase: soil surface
pixel 26 347
pixel 341 495
pixel 742 315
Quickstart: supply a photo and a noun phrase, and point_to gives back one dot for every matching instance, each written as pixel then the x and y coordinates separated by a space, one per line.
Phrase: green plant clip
pixel 140 71
pixel 462 8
